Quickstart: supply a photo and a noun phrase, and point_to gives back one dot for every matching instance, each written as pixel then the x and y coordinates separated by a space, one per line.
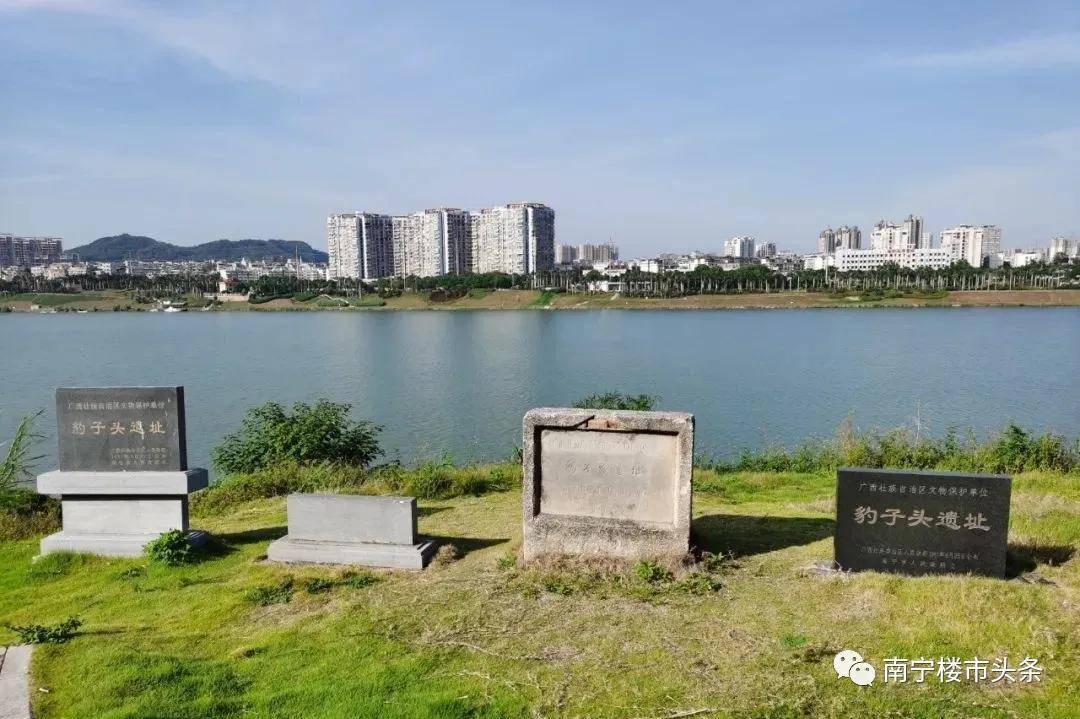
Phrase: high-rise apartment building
pixel 360 244
pixel 588 254
pixel 740 246
pixel 18 251
pixel 565 254
pixel 978 245
pixel 908 235
pixel 765 250
pixel 842 238
pixel 1059 246
pixel 514 238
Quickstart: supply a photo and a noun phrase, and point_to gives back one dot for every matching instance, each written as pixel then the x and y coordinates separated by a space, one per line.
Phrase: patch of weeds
pixel 698 583
pixel 507 561
pixel 172 549
pixel 558 585
pixel 794 641
pixel 812 653
pixel 52 566
pixel 319 585
pixel 358 579
pixel 447 554
pixel 61 633
pixel 652 572
pixel 268 594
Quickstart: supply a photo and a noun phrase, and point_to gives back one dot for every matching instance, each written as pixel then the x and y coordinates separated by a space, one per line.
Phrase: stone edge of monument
pixel 110 545
pixel 161 483
pixel 15 681
pixel 386 556
pixel 621 538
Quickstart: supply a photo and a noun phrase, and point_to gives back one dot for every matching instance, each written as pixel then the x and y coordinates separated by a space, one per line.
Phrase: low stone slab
pixel 352 529
pixel 15 682
pixel 109 545
pixel 122 483
pixel 389 556
pixel 604 483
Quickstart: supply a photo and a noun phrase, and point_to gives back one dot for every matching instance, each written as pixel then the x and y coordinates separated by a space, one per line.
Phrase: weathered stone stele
pixel 352 529
pixel 123 477
pixel 603 483
pixel 922 522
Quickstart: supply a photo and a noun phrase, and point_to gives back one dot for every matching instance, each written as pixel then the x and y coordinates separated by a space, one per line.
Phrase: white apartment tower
pixel 565 254
pixel 589 254
pixel 975 244
pixel 908 235
pixel 360 244
pixel 741 246
pixel 518 238
pixel 1058 246
pixel 436 242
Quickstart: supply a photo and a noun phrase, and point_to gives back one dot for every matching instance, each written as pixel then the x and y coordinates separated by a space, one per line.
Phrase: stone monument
pixel 352 529
pixel 922 522
pixel 602 483
pixel 123 477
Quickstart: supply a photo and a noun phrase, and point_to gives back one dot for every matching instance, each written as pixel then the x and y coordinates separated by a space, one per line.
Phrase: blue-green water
pixel 459 382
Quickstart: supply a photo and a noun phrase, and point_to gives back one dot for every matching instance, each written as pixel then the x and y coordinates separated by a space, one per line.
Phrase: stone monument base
pixel 391 556
pixel 109 545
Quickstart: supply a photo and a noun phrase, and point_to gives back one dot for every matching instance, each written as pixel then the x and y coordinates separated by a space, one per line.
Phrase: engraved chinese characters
pixel 607 484
pixel 121 428
pixel 922 522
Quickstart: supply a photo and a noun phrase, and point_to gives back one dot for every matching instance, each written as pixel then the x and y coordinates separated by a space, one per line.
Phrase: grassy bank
pixel 531 299
pixel 751 635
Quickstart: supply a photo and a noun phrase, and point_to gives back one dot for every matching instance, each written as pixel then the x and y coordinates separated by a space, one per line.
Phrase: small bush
pixel 277 480
pixel 268 594
pixel 19 462
pixel 306 434
pixel 507 561
pixel 52 566
pixel 46 633
pixel 615 400
pixel 24 513
pixel 171 549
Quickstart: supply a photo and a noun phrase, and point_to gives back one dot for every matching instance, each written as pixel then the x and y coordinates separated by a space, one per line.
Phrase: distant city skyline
pixel 660 129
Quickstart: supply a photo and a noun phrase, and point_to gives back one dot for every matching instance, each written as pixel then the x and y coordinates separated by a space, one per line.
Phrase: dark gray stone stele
pixel 916 550
pixel 87 419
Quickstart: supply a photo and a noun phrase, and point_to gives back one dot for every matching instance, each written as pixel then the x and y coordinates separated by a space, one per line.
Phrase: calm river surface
pixel 459 382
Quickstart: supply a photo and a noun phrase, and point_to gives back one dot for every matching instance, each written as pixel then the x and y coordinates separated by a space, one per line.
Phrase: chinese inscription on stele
pixel 605 483
pixel 922 522
pixel 121 429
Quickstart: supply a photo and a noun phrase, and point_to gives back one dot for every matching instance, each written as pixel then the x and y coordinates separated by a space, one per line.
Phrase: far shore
pixel 115 300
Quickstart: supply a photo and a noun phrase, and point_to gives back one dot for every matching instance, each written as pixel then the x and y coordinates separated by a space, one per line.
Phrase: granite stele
pixel 915 523
pixel 123 477
pixel 601 483
pixel 352 529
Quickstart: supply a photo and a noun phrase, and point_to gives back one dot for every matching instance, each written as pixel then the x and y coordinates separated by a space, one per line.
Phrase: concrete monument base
pixel 109 545
pixel 391 556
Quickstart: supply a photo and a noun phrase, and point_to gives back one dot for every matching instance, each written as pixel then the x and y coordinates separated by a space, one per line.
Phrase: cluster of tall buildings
pixel 16 251
pixel 586 254
pixel 906 244
pixel 516 238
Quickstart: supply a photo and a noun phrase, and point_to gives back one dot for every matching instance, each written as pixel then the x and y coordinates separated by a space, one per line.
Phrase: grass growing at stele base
pixel 752 633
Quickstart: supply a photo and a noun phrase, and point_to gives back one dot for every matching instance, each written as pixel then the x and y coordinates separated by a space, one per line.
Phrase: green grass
pixel 545 299
pixel 49 299
pixel 483 636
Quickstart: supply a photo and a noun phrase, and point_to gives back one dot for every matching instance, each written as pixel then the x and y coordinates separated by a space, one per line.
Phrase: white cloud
pixel 1037 52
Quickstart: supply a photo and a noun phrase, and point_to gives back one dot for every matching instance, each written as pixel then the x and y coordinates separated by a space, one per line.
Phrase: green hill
pixel 137 247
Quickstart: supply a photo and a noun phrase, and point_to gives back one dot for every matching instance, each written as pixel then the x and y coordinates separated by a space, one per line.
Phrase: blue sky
pixel 666 126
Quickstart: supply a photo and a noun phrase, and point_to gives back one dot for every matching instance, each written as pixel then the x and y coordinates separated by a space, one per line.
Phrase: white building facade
pixel 978 245
pixel 740 246
pixel 866 260
pixel 908 235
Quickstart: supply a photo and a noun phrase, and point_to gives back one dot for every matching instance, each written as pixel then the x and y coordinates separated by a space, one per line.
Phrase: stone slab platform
pixel 390 556
pixel 109 545
pixel 15 682
pixel 122 483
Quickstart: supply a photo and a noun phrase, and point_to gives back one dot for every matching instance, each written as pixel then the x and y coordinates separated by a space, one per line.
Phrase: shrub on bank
pixel 616 400
pixel 431 480
pixel 307 434
pixel 1011 450
pixel 25 513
